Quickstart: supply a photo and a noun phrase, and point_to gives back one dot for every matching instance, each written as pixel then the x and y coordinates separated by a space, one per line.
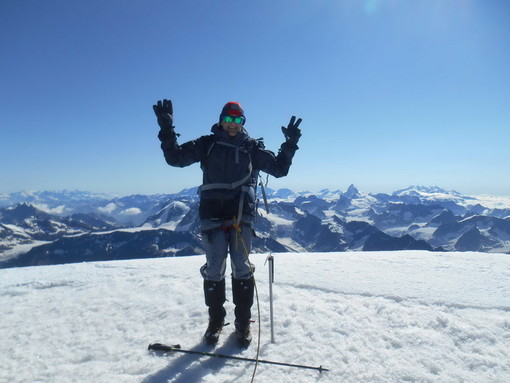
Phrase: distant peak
pixel 283 193
pixel 352 192
pixel 24 210
pixel 419 189
pixel 24 206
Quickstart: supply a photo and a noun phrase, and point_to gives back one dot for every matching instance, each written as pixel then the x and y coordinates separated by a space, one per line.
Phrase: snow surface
pixel 278 220
pixel 409 316
pixel 19 249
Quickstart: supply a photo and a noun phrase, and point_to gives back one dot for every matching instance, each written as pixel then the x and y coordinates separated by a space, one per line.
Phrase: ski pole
pixel 177 348
pixel 270 260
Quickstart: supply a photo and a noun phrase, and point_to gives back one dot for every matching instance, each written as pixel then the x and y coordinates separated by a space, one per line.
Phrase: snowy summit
pixel 412 316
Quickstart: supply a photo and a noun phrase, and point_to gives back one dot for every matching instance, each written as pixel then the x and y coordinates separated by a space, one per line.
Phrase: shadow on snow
pixel 188 368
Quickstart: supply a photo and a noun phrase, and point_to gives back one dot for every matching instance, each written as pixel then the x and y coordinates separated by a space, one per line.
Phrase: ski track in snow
pixel 409 316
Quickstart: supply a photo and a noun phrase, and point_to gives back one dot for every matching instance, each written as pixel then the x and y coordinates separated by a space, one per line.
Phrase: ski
pixel 177 348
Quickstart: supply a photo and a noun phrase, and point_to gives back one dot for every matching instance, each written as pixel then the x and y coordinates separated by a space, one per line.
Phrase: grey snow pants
pixel 218 242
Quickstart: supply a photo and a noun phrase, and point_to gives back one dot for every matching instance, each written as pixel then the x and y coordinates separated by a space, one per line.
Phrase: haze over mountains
pixel 73 226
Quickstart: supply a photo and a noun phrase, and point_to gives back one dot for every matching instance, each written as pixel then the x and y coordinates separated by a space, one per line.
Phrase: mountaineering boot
pixel 212 334
pixel 242 291
pixel 214 292
pixel 243 335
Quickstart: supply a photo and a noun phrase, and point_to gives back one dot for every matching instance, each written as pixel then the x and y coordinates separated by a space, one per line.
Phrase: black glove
pixel 292 131
pixel 164 112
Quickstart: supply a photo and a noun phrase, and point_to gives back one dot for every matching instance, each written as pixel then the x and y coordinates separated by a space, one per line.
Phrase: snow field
pixel 409 316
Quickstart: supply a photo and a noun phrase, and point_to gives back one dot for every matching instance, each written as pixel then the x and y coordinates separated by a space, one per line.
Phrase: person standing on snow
pixel 230 160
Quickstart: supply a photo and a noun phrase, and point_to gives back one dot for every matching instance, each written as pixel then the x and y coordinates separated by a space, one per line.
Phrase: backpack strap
pixel 210 148
pixel 227 186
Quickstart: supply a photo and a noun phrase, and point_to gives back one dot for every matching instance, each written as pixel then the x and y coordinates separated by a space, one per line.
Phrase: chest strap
pixel 233 185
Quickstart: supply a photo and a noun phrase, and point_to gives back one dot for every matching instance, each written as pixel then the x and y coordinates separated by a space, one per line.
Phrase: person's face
pixel 232 128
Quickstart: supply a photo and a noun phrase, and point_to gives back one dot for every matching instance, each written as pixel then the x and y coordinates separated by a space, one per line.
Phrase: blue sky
pixel 392 92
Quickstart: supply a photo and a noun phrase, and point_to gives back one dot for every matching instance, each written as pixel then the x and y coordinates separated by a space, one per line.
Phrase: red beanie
pixel 232 108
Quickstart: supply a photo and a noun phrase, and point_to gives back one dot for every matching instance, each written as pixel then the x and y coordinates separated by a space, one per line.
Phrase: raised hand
pixel 164 112
pixel 292 131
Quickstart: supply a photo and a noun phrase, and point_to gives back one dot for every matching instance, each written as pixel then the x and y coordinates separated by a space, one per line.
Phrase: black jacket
pixel 225 162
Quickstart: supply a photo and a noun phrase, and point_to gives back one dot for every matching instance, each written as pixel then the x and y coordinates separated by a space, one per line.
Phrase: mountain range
pixel 73 226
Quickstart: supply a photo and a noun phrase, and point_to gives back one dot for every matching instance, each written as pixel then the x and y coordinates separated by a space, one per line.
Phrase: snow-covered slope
pixel 410 316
